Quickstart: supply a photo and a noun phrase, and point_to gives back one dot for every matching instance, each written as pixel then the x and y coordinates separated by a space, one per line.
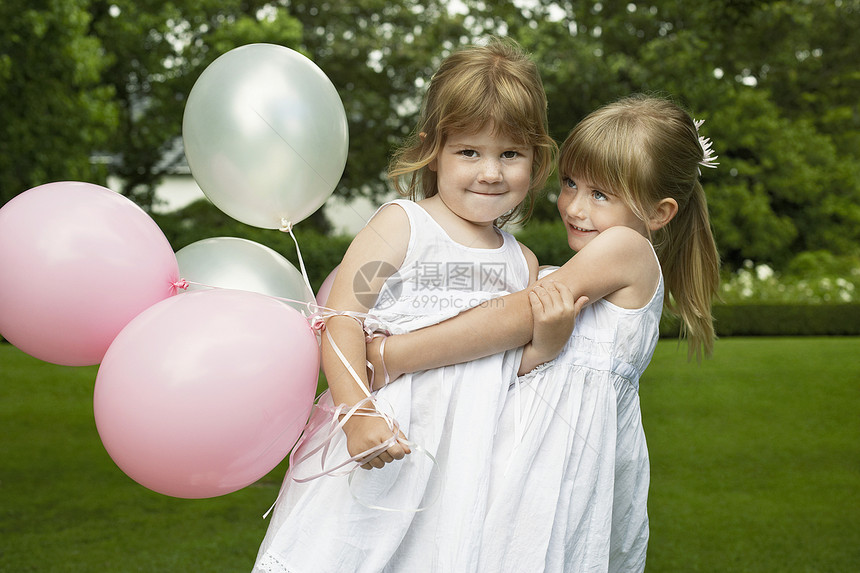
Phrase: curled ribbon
pixel 337 418
pixel 341 414
pixel 316 316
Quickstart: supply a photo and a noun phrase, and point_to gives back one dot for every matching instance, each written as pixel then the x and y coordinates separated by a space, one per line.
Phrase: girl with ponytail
pixel 569 485
pixel 648 153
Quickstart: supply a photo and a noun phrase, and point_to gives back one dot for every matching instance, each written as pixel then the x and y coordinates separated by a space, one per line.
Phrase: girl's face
pixel 587 210
pixel 482 175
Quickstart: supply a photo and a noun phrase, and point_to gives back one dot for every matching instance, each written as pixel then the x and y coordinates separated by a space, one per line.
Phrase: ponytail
pixel 691 272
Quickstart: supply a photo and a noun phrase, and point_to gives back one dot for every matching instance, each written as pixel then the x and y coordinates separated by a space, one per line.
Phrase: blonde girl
pixel 480 150
pixel 569 482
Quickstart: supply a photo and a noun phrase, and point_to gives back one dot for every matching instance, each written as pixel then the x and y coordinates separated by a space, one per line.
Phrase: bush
pixel 812 278
pixel 817 295
pixel 202 220
pixel 321 254
pixel 787 320
pixel 547 240
pixel 778 320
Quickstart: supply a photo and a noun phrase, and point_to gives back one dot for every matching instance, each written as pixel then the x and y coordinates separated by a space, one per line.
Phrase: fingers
pixel 564 291
pixel 541 296
pixel 536 302
pixel 404 444
pixel 397 451
pixel 549 296
pixel 375 462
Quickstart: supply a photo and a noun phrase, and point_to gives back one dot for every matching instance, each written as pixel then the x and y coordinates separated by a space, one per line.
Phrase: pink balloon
pixel 78 261
pixel 325 287
pixel 205 393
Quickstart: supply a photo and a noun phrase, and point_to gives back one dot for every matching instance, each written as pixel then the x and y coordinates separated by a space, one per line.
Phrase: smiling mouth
pixel 580 229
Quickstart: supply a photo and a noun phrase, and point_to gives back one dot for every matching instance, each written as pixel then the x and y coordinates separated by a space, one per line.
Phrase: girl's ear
pixel 664 212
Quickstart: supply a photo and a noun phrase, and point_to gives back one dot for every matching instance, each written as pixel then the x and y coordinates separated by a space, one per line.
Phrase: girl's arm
pixel 376 252
pixel 618 264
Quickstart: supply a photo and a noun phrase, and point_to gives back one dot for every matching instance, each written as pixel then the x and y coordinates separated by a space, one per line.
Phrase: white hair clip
pixel 708 157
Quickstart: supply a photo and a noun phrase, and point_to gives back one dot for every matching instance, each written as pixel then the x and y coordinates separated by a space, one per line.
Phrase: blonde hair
pixel 646 149
pixel 495 83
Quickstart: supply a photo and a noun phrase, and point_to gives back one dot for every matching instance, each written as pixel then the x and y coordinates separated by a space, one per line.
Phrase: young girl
pixel 569 482
pixel 480 149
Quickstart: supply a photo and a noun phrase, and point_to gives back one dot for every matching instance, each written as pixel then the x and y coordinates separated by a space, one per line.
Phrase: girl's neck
pixel 477 235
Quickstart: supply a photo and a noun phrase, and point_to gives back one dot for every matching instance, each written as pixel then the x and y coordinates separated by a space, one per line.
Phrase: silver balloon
pixel 230 262
pixel 265 134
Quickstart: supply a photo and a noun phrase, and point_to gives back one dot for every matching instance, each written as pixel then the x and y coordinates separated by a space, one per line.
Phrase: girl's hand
pixel 364 432
pixel 554 312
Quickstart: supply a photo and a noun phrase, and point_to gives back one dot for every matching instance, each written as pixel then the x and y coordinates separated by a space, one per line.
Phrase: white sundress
pixel 570 475
pixel 451 413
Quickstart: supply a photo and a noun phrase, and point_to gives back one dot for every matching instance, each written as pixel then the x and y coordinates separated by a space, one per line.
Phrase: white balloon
pixel 240 264
pixel 265 135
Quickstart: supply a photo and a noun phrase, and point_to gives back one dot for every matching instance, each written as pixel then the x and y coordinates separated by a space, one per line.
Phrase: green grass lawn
pixel 755 467
pixel 755 456
pixel 65 506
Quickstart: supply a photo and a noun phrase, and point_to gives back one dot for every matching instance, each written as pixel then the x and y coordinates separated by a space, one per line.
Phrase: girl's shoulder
pixel 384 238
pixel 621 243
pixel 393 215
pixel 627 249
pixel 623 236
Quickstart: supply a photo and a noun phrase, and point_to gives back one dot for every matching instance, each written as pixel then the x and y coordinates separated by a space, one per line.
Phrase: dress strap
pixel 413 211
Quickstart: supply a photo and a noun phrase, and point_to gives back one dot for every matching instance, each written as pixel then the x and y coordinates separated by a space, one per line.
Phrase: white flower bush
pixel 754 283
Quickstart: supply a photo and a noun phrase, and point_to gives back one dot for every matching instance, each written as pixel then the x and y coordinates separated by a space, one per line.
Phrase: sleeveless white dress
pixel 570 475
pixel 371 525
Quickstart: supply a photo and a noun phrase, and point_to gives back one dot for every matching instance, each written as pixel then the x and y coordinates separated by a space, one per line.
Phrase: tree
pixel 156 51
pixel 55 110
pixel 776 81
pixel 372 51
pixel 780 142
pixel 380 55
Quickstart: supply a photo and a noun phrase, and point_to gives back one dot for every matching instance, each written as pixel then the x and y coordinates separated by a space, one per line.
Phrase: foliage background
pixel 92 88
pixel 754 453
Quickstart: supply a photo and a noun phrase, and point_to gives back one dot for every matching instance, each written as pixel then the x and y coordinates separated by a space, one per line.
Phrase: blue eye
pixel 598 195
pixel 569 183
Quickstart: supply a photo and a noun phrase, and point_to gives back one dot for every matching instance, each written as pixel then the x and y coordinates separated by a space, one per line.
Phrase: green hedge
pixel 778 320
pixel 760 319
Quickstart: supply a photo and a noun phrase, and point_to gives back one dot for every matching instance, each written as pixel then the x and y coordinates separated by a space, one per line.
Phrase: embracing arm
pixel 614 260
pixel 496 325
